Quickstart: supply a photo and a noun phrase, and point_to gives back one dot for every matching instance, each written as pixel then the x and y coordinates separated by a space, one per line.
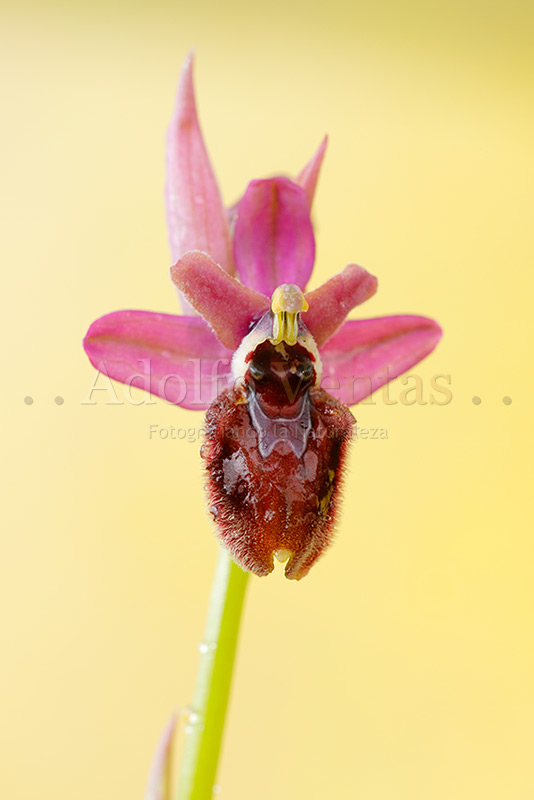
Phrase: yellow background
pixel 401 667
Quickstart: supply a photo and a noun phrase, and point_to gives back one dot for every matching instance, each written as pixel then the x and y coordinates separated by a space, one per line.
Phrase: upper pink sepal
pixel 227 305
pixel 307 177
pixel 367 353
pixel 176 358
pixel 273 238
pixel 331 302
pixel 159 779
pixel 196 218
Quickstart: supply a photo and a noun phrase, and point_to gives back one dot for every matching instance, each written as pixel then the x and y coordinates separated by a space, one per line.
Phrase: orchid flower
pixel 275 366
pixel 232 267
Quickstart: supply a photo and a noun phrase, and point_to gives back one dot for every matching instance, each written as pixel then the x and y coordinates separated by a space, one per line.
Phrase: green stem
pixel 206 721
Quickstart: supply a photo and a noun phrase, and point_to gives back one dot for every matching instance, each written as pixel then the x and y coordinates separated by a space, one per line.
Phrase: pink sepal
pixel 365 354
pixel 307 177
pixel 176 358
pixel 196 218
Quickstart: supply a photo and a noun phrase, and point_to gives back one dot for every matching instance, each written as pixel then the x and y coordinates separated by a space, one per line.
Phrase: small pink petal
pixel 196 217
pixel 365 354
pixel 227 305
pixel 176 358
pixel 273 238
pixel 307 177
pixel 331 302
pixel 159 779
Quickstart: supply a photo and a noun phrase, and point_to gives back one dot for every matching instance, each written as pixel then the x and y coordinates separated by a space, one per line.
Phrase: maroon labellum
pixel 275 447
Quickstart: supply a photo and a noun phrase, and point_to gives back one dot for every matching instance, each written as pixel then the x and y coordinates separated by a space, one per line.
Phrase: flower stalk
pixel 205 725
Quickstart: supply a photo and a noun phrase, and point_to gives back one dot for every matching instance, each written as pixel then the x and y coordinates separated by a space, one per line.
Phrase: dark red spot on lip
pixel 280 376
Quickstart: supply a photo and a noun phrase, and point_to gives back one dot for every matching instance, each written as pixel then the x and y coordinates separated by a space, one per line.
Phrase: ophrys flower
pixel 276 439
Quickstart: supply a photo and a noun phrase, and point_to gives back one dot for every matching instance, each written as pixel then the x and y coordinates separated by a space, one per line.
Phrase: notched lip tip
pixel 282 554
